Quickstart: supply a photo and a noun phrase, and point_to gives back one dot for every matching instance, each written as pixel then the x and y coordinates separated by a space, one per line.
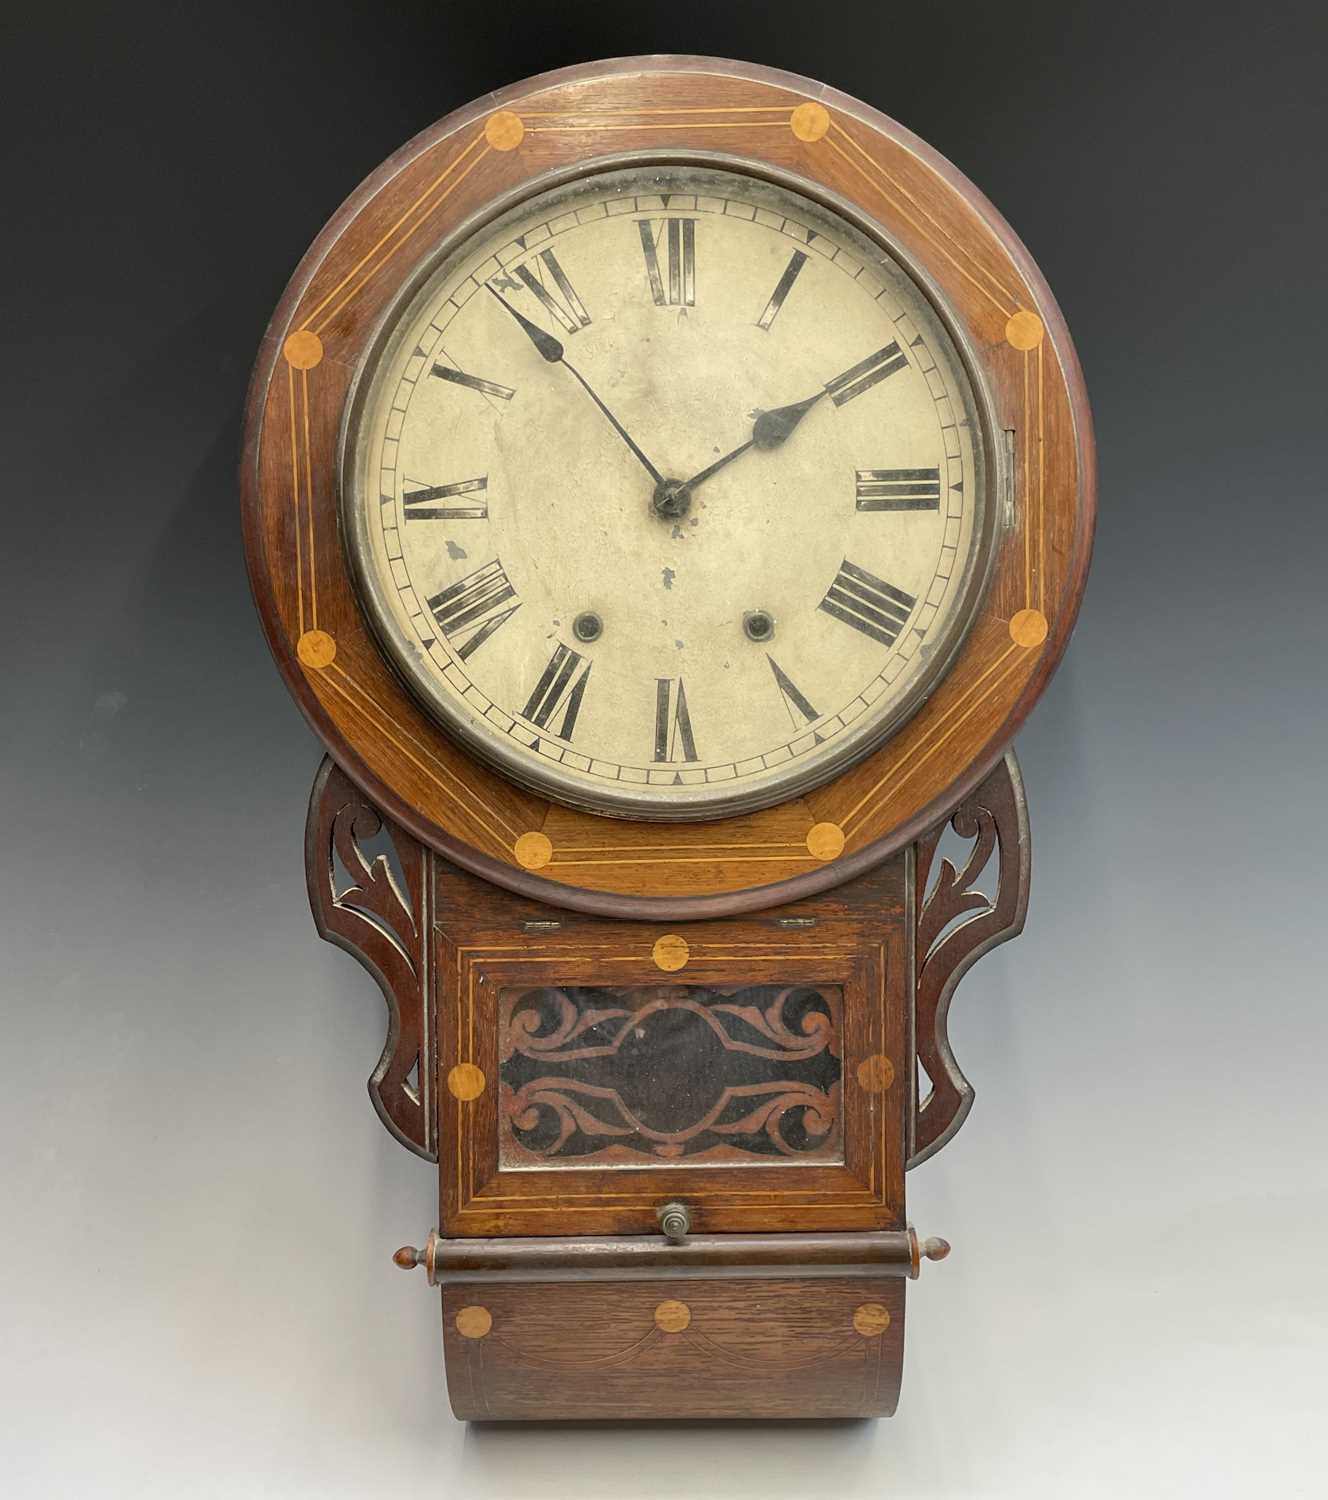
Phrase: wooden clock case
pixel 793 967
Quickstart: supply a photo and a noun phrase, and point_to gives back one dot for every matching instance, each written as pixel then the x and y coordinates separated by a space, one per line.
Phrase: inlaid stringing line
pixel 940 229
pixel 659 848
pixel 700 956
pixel 1026 488
pixel 382 721
pixel 309 504
pixel 373 271
pixel 1018 652
pixel 428 1031
pixel 691 859
pixel 925 231
pixel 462 1189
pixel 644 1198
pixel 673 125
pixel 456 161
pixel 461 1118
pixel 295 498
pixel 994 300
pixel 1042 451
pixel 470 1131
pixel 961 707
pixel 879 1026
pixel 781 110
pixel 729 1199
pixel 718 958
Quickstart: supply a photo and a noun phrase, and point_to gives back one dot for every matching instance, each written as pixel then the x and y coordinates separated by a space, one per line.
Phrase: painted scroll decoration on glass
pixel 672 1074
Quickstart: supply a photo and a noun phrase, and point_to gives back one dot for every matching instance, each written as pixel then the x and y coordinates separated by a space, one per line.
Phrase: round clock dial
pixel 667 492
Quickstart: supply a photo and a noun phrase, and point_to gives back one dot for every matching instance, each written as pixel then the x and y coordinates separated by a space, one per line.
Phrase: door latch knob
pixel 674 1221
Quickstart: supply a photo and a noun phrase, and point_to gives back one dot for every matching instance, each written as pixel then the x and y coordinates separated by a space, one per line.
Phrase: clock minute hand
pixel 548 346
pixel 552 350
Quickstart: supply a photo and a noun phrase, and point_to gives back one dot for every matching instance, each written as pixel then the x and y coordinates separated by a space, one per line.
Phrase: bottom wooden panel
pixel 676 1348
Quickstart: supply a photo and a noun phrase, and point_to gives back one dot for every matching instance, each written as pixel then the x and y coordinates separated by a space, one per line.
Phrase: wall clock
pixel 668 485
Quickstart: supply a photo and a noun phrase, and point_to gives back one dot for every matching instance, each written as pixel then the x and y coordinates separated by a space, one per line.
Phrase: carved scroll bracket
pixel 376 907
pixel 956 924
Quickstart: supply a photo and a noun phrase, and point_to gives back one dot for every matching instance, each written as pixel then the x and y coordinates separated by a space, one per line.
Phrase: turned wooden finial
pixel 932 1249
pixel 408 1257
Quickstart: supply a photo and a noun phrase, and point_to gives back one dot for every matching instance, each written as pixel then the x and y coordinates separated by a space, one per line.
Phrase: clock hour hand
pixel 552 350
pixel 772 428
pixel 768 431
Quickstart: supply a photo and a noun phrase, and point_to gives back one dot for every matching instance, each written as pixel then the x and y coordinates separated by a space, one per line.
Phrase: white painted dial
pixel 666 492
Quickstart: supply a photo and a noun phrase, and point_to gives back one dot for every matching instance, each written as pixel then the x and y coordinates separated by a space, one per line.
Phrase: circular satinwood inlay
pixel 504 130
pixel 316 648
pixel 670 952
pixel 303 349
pixel 533 850
pixel 1024 330
pixel 1028 627
pixel 809 122
pixel 473 1322
pixel 466 1082
pixel 871 1320
pixel 825 841
pixel 672 1317
pixel 876 1074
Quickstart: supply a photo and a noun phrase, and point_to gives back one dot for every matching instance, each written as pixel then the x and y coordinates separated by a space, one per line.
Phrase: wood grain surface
pixel 640 1349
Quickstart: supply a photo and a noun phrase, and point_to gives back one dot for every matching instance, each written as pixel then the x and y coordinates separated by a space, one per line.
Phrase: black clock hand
pixel 769 430
pixel 772 428
pixel 547 345
pixel 718 464
pixel 552 350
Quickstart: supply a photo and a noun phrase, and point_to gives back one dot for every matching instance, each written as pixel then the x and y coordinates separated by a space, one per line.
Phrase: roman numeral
pixel 793 699
pixel 548 282
pixel 673 724
pixel 868 603
pixel 782 288
pixel 470 611
pixel 473 382
pixel 899 489
pixel 419 506
pixel 562 686
pixel 866 374
pixel 680 253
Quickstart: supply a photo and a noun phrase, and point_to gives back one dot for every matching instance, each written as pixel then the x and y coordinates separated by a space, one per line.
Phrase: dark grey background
pixel 199 1203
